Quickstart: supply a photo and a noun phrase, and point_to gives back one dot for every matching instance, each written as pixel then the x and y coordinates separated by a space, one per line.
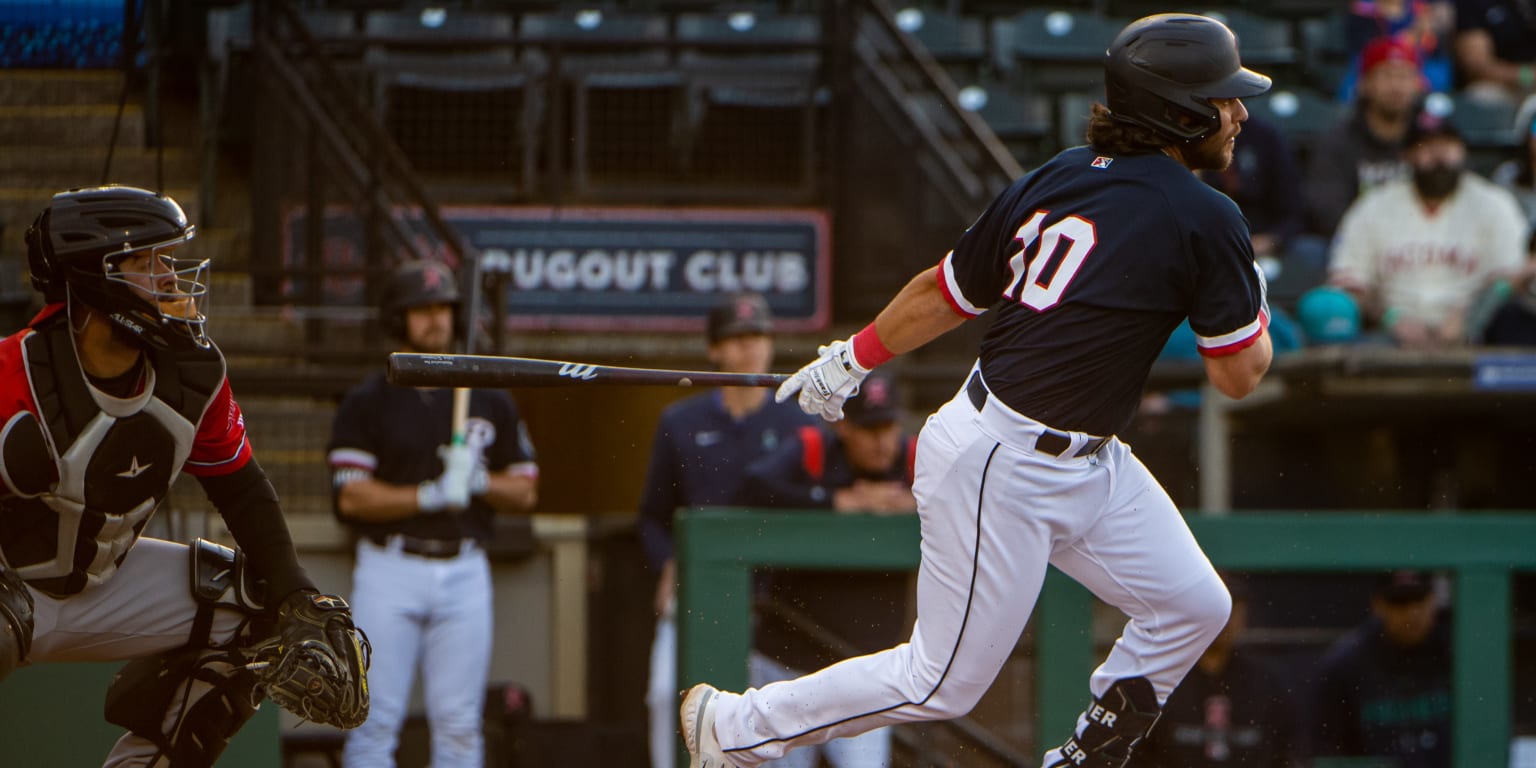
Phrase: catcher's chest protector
pixel 84 473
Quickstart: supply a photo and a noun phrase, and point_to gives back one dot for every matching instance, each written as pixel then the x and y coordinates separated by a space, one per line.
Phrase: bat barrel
pixel 488 371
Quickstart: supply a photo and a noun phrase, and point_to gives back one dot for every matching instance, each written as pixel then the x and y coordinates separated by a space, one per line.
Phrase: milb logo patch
pixel 1102 162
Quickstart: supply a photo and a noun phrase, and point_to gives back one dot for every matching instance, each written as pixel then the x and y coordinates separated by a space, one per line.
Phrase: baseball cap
pixel 1384 50
pixel 1405 586
pixel 1328 315
pixel 1428 125
pixel 878 402
pixel 739 314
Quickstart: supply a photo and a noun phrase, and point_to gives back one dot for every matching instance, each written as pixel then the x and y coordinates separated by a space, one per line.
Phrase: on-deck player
pixel 110 393
pixel 1089 262
pixel 422 507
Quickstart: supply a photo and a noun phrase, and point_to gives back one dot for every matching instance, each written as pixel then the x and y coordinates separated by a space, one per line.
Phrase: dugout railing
pixel 717 550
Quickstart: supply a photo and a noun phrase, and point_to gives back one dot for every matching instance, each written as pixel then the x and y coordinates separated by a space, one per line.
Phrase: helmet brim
pixel 1239 85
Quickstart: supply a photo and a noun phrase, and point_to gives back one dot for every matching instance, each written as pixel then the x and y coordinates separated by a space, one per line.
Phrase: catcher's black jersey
pixel 1091 262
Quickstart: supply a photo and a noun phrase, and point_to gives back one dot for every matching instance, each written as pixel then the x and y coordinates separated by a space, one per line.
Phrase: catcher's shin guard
pixel 1110 728
pixel 15 621
pixel 189 703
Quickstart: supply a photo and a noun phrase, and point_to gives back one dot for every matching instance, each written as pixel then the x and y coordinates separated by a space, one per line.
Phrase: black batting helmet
pixel 77 245
pixel 418 284
pixel 1162 71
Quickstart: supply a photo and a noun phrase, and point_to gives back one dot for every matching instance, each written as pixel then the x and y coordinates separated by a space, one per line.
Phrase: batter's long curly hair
pixel 1111 137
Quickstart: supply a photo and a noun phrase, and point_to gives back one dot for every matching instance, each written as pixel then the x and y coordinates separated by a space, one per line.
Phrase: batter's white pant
pixel 435 613
pixel 144 609
pixel 871 749
pixel 993 513
pixel 661 691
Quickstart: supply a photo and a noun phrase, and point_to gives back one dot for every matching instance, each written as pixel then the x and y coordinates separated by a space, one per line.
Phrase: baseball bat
pixel 416 370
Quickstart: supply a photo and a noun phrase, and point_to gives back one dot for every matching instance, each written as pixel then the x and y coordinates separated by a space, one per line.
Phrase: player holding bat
pixel 418 473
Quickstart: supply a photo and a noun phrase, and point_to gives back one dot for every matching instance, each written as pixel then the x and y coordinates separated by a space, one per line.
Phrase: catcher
pixel 105 397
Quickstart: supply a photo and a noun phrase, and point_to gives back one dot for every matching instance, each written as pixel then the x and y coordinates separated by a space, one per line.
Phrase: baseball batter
pixel 1089 263
pixel 111 392
pixel 422 507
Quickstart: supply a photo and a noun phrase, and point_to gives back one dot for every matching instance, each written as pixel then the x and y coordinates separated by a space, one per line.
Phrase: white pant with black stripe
pixel 993 514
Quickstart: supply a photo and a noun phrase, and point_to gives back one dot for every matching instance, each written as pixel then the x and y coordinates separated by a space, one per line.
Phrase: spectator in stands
pixel 1264 182
pixel 1232 709
pixel 1418 252
pixel 862 463
pixel 1518 174
pixel 1365 150
pixel 1384 689
pixel 702 448
pixel 1424 25
pixel 1496 48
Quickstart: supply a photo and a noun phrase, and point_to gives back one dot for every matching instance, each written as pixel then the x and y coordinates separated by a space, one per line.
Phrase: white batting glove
pixel 451 490
pixel 827 383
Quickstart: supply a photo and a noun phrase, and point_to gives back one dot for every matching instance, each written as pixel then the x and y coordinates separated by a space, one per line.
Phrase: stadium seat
pixel 447 85
pixel 949 38
pixel 592 40
pixel 1263 41
pixel 1059 51
pixel 716 37
pixel 1485 124
pixel 1015 117
pixel 1300 113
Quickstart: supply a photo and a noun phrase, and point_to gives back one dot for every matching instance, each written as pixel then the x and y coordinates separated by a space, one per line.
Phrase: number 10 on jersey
pixel 1046 274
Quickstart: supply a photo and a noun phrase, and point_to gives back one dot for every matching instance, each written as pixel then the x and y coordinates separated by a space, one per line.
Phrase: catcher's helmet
pixel 418 284
pixel 1162 71
pixel 77 245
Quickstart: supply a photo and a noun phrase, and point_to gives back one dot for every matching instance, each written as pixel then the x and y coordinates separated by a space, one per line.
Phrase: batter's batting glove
pixel 827 383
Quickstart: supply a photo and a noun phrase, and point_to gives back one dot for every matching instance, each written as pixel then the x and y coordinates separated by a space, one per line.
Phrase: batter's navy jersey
pixel 393 434
pixel 699 457
pixel 1091 262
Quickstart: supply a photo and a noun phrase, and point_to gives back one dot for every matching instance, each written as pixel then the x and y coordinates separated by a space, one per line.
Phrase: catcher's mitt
pixel 316 665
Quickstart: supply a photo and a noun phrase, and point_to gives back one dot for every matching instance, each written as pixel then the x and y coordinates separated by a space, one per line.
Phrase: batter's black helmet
pixel 418 284
pixel 1162 71
pixel 76 247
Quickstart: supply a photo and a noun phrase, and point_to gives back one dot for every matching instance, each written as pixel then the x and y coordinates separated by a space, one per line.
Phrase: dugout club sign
pixel 623 269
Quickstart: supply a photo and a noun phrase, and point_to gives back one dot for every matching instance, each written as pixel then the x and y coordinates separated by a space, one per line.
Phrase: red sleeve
pixel 221 446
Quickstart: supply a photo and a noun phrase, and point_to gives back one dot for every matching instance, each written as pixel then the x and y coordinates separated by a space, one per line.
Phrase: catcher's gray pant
pixel 431 612
pixel 993 513
pixel 144 609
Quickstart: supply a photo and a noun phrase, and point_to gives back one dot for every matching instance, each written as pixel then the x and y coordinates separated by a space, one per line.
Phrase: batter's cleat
pixel 698 723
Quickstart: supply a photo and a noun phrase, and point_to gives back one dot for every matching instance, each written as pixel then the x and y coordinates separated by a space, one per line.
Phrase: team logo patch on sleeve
pixel 1102 161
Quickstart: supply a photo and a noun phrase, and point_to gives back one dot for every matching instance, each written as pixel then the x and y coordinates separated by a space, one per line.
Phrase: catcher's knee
pixel 15 621
pixel 188 702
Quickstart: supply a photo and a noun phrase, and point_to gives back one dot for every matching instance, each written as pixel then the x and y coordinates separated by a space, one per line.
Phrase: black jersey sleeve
pixel 973 275
pixel 354 441
pixel 1230 305
pixel 512 445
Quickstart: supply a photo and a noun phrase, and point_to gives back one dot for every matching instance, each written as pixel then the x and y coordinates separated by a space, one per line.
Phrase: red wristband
pixel 868 350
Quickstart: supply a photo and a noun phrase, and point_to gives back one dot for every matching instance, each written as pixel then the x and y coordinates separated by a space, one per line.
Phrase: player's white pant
pixel 435 613
pixel 871 749
pixel 144 609
pixel 661 691
pixel 993 513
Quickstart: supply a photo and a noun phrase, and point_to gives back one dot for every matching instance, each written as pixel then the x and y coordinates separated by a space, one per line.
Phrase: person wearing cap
pixel 702 446
pixel 861 464
pixel 1233 709
pixel 1418 252
pixel 1495 48
pixel 1365 150
pixel 1384 689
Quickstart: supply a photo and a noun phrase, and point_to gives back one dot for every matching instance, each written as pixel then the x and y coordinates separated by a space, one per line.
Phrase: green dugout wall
pixel 718 548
